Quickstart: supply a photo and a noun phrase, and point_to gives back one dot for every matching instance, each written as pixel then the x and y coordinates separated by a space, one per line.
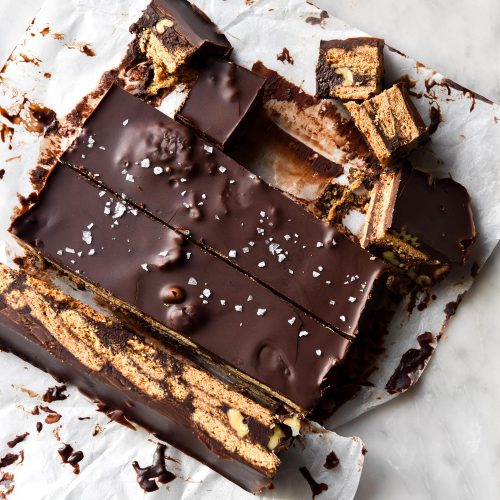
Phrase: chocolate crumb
pixel 284 56
pixel 39 427
pixel 17 440
pixel 2 173
pixel 148 477
pixel 55 393
pixel 316 488
pixel 331 461
pixel 317 20
pixel 450 308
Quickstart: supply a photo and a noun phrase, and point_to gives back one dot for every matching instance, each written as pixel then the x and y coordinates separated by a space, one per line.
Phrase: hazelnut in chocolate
pixel 351 69
pixel 390 123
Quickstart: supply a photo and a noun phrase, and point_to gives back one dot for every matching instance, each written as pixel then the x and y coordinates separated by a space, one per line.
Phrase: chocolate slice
pixel 173 32
pixel 390 123
pixel 420 223
pixel 117 360
pixel 223 98
pixel 163 167
pixel 139 264
pixel 350 69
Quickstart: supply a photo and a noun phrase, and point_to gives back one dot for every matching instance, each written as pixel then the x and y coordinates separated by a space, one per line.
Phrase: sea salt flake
pixel 101 193
pixel 222 302
pixel 157 170
pixel 291 321
pixel 342 318
pixel 261 312
pixel 238 308
pixel 318 352
pixel 87 237
pixel 263 214
pixel 129 178
pixel 90 226
pixel 192 281
pixel 90 142
pixel 303 333
pixel 145 267
pixel 207 148
pixel 249 298
pixel 222 169
pixel 207 293
pixel 125 123
pixel 69 250
pixel 315 274
pixel 246 249
pixel 145 163
pixel 332 302
pixel 119 210
pixel 102 148
pixel 352 299
pixel 287 237
pixel 262 264
pixel 91 251
pixel 281 257
pixel 319 244
pixel 232 254
pixel 59 252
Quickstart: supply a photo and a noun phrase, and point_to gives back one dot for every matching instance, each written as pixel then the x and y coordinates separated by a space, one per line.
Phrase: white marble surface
pixel 440 440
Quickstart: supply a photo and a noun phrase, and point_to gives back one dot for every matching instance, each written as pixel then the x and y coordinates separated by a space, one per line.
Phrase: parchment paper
pixel 258 32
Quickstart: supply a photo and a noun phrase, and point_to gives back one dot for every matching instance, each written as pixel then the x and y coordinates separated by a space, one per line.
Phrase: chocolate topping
pixel 437 211
pixel 113 246
pixel 222 99
pixel 161 165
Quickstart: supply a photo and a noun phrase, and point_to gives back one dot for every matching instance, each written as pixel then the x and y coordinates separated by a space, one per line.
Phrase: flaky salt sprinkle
pixel 261 264
pixel 69 250
pixel 91 252
pixel 125 122
pixel 145 267
pixel 318 352
pixel 129 178
pixel 208 149
pixel 157 170
pixel 192 281
pixel 87 237
pixel 222 169
pixel 222 302
pixel 319 244
pixel 101 193
pixel 232 254
pixel 352 299
pixel 342 318
pixel 90 142
pixel 281 257
pixel 238 308
pixel 303 333
pixel 261 312
pixel 145 163
pixel 291 321
pixel 315 274
pixel 332 302
pixel 206 292
pixel 249 298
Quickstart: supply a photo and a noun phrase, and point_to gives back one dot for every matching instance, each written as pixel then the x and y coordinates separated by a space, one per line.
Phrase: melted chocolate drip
pixel 148 477
pixel 436 119
pixel 115 415
pixel 8 459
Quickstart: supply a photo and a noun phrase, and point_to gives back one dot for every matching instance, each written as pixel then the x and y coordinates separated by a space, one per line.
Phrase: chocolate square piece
pixel 221 100
pixel 390 123
pixel 419 223
pixel 350 69
pixel 171 32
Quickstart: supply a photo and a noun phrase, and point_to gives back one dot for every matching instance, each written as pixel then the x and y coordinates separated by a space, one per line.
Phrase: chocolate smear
pixel 331 461
pixel 284 56
pixel 412 361
pixel 148 477
pixel 69 456
pixel 8 459
pixel 316 488
pixel 436 119
pixel 55 393
pixel 17 440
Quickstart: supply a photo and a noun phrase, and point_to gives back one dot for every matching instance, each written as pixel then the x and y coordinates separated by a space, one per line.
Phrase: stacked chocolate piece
pixel 231 307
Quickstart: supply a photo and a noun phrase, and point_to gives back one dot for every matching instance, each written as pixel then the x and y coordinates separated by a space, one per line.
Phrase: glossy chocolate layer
pixel 161 165
pixel 24 336
pixel 222 99
pixel 185 25
pixel 194 296
pixel 437 212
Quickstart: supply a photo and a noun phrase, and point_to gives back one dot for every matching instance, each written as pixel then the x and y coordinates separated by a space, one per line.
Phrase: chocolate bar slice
pixel 119 362
pixel 223 98
pixel 193 297
pixel 173 32
pixel 351 69
pixel 419 223
pixel 163 167
pixel 390 123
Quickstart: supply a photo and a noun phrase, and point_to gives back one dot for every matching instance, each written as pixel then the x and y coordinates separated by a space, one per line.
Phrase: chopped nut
pixel 276 437
pixel 163 24
pixel 237 422
pixel 423 280
pixel 294 424
pixel 346 74
pixel 391 257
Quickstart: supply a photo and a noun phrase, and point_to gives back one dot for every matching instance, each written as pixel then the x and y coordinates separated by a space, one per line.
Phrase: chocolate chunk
pixel 243 220
pixel 390 123
pixel 422 223
pixel 350 69
pixel 261 337
pixel 222 100
pixel 171 32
